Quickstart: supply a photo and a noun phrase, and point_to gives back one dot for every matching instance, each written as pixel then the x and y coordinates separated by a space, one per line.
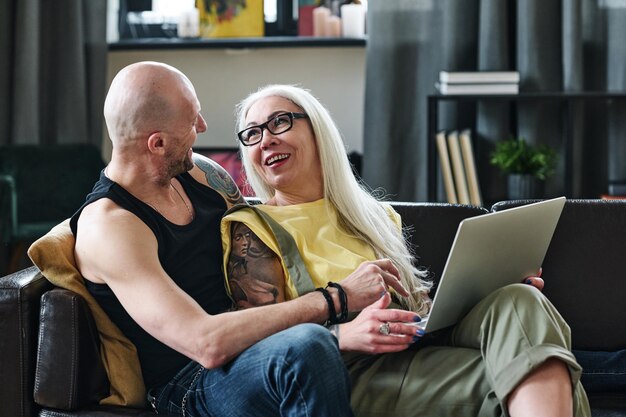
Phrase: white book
pixel 446 169
pixel 493 77
pixel 460 182
pixel 445 88
pixel 470 168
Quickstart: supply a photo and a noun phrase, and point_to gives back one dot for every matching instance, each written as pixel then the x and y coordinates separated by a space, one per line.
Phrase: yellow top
pixel 329 253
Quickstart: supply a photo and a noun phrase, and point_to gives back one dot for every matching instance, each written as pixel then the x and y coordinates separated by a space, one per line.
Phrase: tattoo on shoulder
pixel 220 180
pixel 255 274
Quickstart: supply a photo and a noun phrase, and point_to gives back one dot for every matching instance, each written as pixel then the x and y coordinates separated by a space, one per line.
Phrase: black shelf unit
pixel 567 99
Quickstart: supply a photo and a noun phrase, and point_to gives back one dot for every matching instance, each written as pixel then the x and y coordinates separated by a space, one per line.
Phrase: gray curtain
pixel 52 71
pixel 567 45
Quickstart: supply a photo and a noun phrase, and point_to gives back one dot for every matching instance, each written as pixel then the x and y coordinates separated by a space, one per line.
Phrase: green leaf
pixel 516 156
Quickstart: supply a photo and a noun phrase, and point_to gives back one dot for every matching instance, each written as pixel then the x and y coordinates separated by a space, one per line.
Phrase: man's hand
pixel 370 281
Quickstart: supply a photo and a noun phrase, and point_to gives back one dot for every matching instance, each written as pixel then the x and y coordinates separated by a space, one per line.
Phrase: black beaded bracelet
pixel 343 301
pixel 332 314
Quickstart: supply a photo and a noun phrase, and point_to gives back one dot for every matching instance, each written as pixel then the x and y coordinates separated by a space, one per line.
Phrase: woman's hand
pixel 368 282
pixel 536 281
pixel 366 332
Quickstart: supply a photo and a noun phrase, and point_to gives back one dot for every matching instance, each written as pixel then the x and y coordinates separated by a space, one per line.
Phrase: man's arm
pixel 209 172
pixel 115 247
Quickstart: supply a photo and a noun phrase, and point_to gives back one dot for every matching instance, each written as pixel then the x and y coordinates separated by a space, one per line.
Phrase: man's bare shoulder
pixel 105 215
pixel 108 235
pixel 212 174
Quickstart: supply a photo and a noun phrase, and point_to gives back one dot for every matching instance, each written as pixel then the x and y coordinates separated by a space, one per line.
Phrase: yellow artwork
pixel 231 18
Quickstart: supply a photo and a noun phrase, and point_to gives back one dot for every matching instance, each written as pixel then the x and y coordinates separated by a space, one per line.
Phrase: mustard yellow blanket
pixel 53 254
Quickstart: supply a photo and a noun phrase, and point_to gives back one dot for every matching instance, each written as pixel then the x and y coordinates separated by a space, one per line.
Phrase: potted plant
pixel 527 166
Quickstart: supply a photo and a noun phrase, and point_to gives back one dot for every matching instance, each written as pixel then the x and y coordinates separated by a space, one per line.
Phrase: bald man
pixel 148 246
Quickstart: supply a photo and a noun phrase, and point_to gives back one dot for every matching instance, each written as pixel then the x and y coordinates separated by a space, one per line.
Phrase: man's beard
pixel 187 163
pixel 178 167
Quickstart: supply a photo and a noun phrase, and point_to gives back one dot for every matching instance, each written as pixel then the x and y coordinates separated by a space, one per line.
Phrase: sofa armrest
pixel 20 295
pixel 69 373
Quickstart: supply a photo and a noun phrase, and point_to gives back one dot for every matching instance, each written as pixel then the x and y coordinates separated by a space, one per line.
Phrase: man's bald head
pixel 142 99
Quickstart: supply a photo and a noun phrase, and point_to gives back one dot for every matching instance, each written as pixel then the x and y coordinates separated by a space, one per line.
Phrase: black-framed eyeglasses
pixel 278 124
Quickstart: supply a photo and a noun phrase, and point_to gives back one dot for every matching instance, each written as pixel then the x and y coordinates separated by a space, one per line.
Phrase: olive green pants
pixel 470 369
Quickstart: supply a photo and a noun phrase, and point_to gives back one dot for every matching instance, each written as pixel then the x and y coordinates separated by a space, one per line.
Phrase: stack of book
pixel 458 167
pixel 478 82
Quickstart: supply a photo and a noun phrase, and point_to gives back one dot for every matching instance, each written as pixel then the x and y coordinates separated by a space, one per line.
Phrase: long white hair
pixel 360 214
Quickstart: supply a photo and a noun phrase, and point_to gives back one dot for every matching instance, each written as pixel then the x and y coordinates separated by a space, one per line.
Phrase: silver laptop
pixel 489 252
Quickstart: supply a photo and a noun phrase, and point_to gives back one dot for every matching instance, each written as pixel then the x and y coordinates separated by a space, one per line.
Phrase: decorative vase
pixel 524 187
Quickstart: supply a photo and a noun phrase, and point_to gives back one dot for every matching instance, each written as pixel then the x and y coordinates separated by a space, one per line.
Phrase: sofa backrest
pixel 433 227
pixel 585 271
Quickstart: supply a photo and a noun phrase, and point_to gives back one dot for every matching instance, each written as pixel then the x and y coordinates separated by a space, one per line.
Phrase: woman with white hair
pixel 509 356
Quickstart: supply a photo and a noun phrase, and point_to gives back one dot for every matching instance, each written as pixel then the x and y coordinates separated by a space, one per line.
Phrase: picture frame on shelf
pixel 231 18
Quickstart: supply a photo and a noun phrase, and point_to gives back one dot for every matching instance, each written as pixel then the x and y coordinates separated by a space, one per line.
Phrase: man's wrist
pixel 334 294
pixel 331 316
pixel 333 305
pixel 342 312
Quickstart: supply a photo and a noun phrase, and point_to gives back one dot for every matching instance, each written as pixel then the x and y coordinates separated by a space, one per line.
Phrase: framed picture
pixel 230 160
pixel 231 18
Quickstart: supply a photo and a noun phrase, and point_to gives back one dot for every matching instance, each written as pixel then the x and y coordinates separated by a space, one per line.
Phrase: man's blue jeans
pixel 297 372
pixel 603 371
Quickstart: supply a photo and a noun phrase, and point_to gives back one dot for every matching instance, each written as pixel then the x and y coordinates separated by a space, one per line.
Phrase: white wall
pixel 222 77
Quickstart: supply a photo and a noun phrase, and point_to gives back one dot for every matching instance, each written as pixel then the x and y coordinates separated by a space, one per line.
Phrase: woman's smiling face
pixel 288 161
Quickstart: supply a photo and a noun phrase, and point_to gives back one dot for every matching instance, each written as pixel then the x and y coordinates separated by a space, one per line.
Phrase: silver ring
pixel 385 329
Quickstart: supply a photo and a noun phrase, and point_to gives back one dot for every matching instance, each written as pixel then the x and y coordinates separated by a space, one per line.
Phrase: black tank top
pixel 190 254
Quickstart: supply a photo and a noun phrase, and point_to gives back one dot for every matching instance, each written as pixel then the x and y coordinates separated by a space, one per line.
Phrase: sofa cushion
pixel 54 256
